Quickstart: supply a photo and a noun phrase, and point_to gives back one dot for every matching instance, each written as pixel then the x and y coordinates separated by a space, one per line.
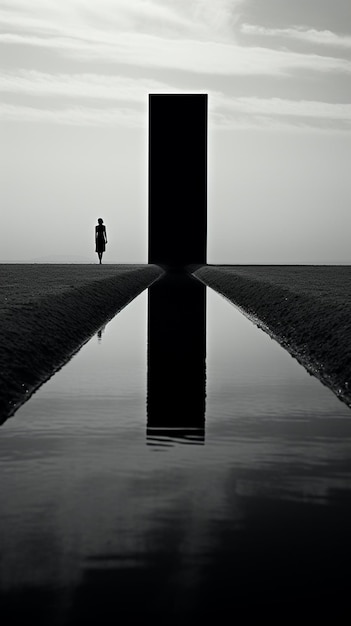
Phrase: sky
pixel 74 82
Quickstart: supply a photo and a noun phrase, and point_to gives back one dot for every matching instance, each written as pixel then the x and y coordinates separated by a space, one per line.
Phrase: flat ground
pixel 330 283
pixel 48 311
pixel 306 308
pixel 23 283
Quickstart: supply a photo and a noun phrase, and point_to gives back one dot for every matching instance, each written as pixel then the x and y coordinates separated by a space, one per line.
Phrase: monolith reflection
pixel 176 358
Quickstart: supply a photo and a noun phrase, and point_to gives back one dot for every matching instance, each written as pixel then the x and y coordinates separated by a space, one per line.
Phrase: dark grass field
pixel 306 308
pixel 48 311
pixel 23 283
pixel 330 283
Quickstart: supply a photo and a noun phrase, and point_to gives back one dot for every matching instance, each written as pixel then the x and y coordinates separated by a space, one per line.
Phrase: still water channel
pixel 152 479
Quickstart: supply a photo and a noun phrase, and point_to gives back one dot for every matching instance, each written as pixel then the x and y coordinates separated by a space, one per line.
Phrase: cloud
pixel 73 116
pixel 309 35
pixel 224 113
pixel 280 107
pixel 135 91
pixel 278 114
pixel 196 36
pixel 11 20
pixel 195 18
pixel 262 123
pixel 187 55
pixel 88 85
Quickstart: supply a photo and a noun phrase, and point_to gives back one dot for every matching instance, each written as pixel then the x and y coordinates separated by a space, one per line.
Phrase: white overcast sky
pixel 74 82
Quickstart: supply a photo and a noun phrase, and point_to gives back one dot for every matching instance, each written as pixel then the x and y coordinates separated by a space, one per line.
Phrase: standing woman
pixel 100 238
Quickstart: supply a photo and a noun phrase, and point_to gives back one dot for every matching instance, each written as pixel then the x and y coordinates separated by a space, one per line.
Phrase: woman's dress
pixel 100 238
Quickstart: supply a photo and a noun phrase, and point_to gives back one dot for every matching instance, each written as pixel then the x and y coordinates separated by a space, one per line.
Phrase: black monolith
pixel 177 179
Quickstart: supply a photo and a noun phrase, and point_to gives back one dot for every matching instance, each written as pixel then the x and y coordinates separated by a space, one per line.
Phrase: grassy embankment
pixel 306 308
pixel 48 311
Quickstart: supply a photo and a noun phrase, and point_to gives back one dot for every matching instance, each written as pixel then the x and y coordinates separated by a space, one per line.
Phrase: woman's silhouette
pixel 100 238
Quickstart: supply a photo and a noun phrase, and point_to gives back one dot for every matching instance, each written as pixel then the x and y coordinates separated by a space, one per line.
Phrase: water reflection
pixel 100 333
pixel 252 526
pixel 176 377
